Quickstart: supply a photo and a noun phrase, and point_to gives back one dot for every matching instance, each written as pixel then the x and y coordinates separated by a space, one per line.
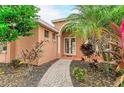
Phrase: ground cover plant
pixel 94 77
pixel 79 73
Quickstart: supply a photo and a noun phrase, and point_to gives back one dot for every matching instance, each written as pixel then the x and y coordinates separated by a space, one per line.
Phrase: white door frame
pixel 69 46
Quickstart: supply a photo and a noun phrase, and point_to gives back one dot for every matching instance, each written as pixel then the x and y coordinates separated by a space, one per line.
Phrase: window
pixel 46 34
pixel 53 36
pixel 3 48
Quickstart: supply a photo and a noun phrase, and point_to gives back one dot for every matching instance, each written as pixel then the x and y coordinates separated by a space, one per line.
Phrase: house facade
pixel 68 45
pixel 59 45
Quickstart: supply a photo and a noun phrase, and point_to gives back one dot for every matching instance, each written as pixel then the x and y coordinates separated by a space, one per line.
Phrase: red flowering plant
pixel 118 43
pixel 122 34
pixel 117 49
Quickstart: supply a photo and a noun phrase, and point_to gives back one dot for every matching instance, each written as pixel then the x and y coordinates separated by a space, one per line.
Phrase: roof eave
pixel 59 20
pixel 45 24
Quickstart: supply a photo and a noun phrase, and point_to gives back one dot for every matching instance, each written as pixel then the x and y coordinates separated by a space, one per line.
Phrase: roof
pixel 45 24
pixel 59 20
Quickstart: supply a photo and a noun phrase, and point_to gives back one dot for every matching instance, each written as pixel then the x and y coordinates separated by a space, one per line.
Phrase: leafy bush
pixel 15 63
pixel 108 68
pixel 119 81
pixel 17 20
pixel 33 54
pixel 119 73
pixel 87 49
pixel 79 73
pixel 122 85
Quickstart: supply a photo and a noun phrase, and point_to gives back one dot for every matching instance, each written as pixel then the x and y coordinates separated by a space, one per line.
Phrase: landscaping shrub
pixel 15 63
pixel 119 81
pixel 122 85
pixel 119 72
pixel 107 68
pixel 93 65
pixel 79 73
pixel 29 56
pixel 87 49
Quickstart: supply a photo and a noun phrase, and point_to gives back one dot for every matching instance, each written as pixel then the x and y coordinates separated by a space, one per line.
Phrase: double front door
pixel 70 46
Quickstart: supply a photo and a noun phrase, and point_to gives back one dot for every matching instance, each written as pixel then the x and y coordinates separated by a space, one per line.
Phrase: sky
pixel 52 12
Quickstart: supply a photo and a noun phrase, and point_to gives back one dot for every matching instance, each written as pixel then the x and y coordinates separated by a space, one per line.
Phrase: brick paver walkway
pixel 58 75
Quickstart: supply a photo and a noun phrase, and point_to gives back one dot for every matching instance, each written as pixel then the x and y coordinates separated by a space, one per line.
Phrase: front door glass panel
pixel 70 46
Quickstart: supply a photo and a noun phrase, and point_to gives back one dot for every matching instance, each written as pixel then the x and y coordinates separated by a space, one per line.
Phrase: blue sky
pixel 51 12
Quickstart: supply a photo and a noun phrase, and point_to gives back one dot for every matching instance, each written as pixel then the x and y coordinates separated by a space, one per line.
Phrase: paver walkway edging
pixel 58 75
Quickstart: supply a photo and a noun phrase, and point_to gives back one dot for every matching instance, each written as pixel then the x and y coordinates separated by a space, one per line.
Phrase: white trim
pixel 69 45
pixel 59 20
pixel 59 44
pixel 48 25
pixel 59 38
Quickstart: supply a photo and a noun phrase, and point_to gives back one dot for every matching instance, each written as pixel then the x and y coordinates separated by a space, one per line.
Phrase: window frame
pixel 46 35
pixel 3 49
pixel 53 36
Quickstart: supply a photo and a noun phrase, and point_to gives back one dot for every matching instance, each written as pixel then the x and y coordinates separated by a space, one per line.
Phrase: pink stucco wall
pixel 50 47
pixel 14 49
pixel 11 51
pixel 9 54
pixel 2 57
pixel 60 25
pixel 25 43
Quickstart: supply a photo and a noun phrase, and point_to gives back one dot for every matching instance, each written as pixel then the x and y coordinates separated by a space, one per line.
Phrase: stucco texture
pixel 14 49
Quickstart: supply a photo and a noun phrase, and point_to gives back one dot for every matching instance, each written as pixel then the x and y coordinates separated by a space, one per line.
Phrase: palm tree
pixel 92 19
pixel 90 22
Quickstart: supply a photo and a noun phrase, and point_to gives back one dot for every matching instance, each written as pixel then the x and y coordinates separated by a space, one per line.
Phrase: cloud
pixel 52 12
pixel 48 13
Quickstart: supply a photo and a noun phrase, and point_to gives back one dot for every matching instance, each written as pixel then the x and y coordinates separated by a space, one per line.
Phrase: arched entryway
pixel 68 45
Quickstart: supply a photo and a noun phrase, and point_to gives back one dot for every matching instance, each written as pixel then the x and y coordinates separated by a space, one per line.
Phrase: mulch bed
pixel 19 78
pixel 94 78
